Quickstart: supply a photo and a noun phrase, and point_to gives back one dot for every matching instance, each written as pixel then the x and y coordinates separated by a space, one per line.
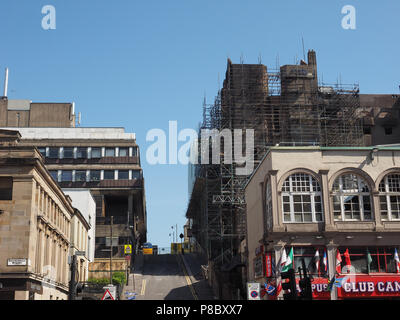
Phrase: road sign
pixel 253 290
pixel 128 249
pixel 107 296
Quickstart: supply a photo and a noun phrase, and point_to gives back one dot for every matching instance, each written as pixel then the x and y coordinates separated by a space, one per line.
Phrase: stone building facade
pixel 35 225
pixel 321 202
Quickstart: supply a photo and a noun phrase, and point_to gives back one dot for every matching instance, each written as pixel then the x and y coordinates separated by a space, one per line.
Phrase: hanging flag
pixel 316 260
pixel 369 260
pixel 396 259
pixel 331 284
pixel 289 261
pixel 325 261
pixel 278 289
pixel 283 260
pixel 347 258
pixel 270 289
pixel 339 282
pixel 338 262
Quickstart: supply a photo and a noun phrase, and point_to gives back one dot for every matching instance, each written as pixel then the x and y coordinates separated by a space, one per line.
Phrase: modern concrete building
pixel 35 225
pixel 327 200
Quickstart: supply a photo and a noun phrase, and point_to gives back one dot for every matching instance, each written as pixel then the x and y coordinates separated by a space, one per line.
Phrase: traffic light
pixel 290 285
pixel 305 283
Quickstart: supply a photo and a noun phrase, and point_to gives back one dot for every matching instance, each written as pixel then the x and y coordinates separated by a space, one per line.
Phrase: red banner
pixel 268 265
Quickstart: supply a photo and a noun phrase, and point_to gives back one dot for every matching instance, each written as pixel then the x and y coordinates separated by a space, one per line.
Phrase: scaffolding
pixel 286 107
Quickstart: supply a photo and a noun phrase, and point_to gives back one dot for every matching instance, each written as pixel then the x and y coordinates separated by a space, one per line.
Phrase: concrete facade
pixel 269 230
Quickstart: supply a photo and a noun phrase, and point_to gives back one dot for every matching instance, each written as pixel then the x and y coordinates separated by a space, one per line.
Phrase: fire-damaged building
pixel 286 106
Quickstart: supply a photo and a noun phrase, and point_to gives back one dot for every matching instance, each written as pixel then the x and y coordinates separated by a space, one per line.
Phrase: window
pixel 109 175
pixel 96 152
pixel 42 150
pixel 308 254
pixel 123 174
pixel 54 153
pixel 123 152
pixel 68 152
pixel 389 197
pixel 54 174
pixel 95 175
pixel 134 152
pixel 388 131
pixel 351 199
pixel 81 153
pixel 66 175
pixel 110 152
pixel 6 186
pixel 381 259
pixel 301 199
pixel 135 174
pixel 80 175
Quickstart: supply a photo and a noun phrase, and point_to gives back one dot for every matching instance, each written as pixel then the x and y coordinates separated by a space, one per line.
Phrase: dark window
pixel 68 152
pixel 367 130
pixel 96 152
pixel 110 152
pixel 388 131
pixel 308 254
pixel 81 153
pixel 95 175
pixel 42 150
pixel 123 152
pixel 134 152
pixel 108 174
pixel 123 174
pixel 66 175
pixel 135 174
pixel 53 153
pixel 6 186
pixel 100 240
pixel 54 174
pixel 80 175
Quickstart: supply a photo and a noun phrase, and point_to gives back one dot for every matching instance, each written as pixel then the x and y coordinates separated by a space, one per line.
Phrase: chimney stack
pixel 6 84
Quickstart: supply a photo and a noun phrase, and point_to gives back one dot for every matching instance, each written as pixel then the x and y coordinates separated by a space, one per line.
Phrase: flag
pixel 369 260
pixel 325 262
pixel 331 283
pixel 289 261
pixel 316 260
pixel 278 289
pixel 347 257
pixel 270 289
pixel 339 282
pixel 283 260
pixel 396 259
pixel 338 262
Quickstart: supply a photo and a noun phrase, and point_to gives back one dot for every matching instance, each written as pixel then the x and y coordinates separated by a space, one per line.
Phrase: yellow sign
pixel 128 249
pixel 147 250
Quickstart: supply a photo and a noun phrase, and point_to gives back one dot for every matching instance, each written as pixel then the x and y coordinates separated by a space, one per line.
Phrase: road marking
pixel 143 287
pixel 189 282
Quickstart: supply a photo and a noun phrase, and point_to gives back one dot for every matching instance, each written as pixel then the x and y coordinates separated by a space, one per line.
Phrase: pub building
pixel 328 204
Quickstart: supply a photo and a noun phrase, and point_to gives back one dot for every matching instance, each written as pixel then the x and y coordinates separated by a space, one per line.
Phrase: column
pixel 377 211
pixel 328 215
pixel 277 223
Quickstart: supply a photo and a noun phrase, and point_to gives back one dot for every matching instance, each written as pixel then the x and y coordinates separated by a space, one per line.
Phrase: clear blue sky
pixel 139 64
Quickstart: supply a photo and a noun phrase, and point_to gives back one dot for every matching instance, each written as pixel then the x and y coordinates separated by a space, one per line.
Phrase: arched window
pixel 301 199
pixel 389 197
pixel 351 198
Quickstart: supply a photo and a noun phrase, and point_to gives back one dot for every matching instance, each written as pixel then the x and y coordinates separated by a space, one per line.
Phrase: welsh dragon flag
pixel 288 264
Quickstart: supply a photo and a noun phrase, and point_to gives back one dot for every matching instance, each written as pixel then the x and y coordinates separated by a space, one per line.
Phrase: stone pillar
pixel 328 215
pixel 376 211
pixel 277 221
pixel 331 249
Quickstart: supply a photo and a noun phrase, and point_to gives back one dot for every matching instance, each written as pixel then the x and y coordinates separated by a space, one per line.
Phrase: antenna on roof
pixel 304 51
pixel 259 58
pixel 6 83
